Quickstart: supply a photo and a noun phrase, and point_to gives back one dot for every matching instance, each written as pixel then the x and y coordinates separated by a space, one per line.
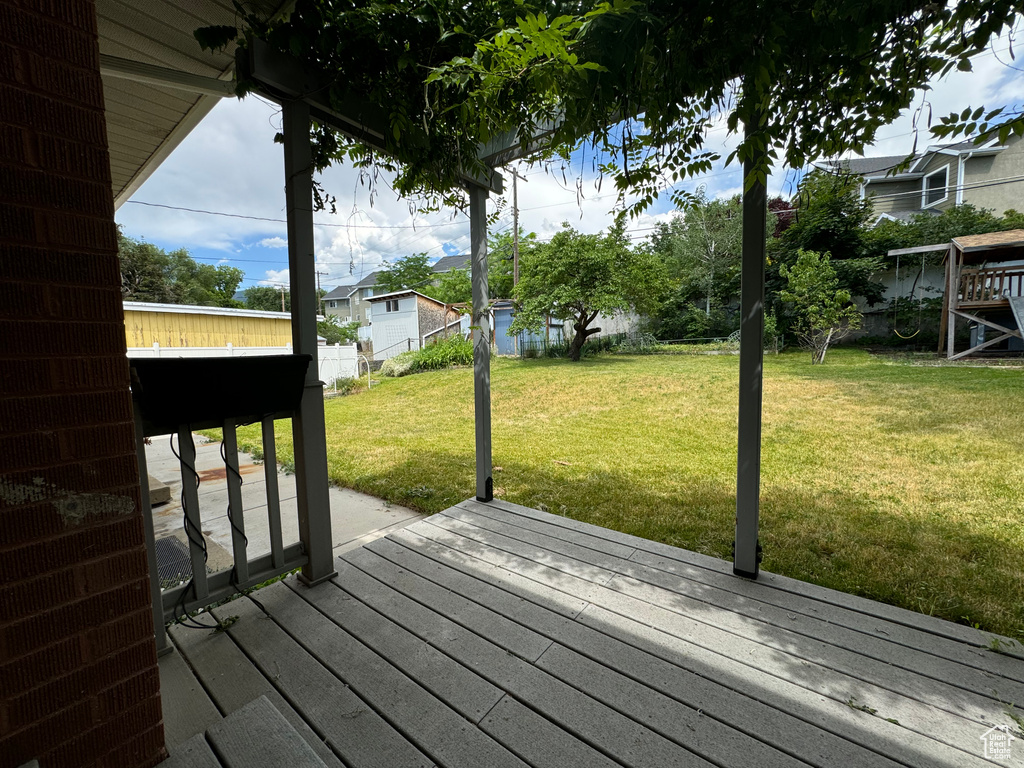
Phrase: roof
pixel 367 282
pixel 994 247
pixel 341 292
pixel 869 166
pixel 157 82
pixel 404 292
pixel 448 263
pixel 878 168
pixel 192 309
pixel 990 240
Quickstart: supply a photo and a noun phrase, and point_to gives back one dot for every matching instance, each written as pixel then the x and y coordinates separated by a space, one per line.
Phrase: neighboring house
pixel 338 304
pixel 183 325
pixel 990 175
pixel 404 320
pixel 358 296
pixel 448 263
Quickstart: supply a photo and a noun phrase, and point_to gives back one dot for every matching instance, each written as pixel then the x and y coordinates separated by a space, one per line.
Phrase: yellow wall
pixel 171 329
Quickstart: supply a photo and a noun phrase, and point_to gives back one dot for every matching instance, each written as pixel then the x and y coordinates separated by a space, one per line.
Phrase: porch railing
pixel 170 399
pixel 989 287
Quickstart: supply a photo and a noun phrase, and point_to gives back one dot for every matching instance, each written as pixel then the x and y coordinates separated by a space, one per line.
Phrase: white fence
pixel 336 362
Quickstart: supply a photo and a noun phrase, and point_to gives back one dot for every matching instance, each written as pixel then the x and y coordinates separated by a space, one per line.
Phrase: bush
pixel 445 354
pixel 344 385
pixel 435 356
pixel 400 365
pixel 637 344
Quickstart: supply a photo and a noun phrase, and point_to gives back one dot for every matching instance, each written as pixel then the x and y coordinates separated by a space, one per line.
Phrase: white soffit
pixel 145 122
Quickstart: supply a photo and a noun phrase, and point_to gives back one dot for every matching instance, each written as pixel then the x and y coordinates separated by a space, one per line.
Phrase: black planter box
pixel 203 392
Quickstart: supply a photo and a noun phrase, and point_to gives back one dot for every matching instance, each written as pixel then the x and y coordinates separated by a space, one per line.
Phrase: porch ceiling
pixel 145 122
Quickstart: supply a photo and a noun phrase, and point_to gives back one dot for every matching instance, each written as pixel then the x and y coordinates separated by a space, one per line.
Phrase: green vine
pixel 642 82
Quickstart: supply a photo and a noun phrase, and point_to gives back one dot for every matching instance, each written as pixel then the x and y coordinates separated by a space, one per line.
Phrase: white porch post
pixel 308 431
pixel 481 340
pixel 747 550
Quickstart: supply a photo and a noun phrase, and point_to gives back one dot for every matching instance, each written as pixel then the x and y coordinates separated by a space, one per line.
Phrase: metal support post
pixel 309 434
pixel 159 632
pixel 481 340
pixel 747 550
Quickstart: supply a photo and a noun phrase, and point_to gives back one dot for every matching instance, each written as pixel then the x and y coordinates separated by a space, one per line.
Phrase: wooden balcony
pixel 989 288
pixel 495 635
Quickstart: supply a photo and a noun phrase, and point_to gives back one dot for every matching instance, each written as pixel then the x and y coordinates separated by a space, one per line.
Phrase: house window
pixel 332 304
pixel 392 305
pixel 934 187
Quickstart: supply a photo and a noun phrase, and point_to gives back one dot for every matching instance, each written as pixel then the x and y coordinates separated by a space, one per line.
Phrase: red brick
pixel 34 264
pixel 119 633
pixel 32 110
pixel 75 617
pixel 45 191
pixel 43 664
pixel 22 598
pixel 49 37
pixel 109 475
pixel 73 84
pixel 34 558
pixel 24 414
pixel 31 742
pixel 93 680
pixel 72 159
pixel 146 749
pixel 48 627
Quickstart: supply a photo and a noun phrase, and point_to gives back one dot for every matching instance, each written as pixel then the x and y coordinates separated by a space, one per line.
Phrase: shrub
pixel 399 365
pixel 639 343
pixel 444 353
pixel 344 385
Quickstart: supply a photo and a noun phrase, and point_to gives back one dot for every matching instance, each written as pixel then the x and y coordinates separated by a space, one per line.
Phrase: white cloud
pixel 274 242
pixel 276 278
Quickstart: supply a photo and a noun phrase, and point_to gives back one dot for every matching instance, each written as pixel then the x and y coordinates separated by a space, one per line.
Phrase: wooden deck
pixel 494 635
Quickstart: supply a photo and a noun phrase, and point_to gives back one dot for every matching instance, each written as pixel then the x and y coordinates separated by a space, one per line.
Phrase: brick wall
pixel 79 683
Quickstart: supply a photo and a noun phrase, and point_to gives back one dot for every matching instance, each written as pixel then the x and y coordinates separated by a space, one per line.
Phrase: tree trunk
pixel 581 335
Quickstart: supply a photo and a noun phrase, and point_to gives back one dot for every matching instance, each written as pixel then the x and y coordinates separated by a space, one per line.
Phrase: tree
pixel 407 272
pixel 824 310
pixel 831 218
pixel 708 247
pixel 577 277
pixel 336 332
pixel 453 287
pixel 149 273
pixel 501 263
pixel 267 298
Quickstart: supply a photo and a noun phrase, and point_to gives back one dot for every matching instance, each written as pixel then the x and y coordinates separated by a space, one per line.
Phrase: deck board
pixel 928 654
pixel 495 635
pixel 715 624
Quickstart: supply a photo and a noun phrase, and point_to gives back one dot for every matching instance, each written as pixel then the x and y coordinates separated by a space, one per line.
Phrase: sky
pixel 229 164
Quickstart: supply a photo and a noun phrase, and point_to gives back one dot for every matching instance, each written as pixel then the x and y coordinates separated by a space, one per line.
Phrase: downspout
pixel 961 165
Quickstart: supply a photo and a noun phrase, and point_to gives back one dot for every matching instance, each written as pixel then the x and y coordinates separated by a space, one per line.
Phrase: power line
pixel 285 221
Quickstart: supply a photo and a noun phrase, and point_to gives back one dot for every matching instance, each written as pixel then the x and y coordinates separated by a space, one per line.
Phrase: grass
pixel 899 482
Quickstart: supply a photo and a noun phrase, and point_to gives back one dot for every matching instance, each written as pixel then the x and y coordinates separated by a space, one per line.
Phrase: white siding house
pixel 403 319
pixel 395 326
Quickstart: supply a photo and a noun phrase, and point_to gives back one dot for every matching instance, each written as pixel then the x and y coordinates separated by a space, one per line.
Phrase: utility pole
pixel 281 288
pixel 319 295
pixel 515 226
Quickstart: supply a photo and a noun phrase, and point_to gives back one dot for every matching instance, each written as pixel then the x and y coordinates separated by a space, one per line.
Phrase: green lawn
pixel 901 483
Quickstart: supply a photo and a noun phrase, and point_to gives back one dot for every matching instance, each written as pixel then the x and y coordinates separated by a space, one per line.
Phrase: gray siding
pixel 1000 197
pixel 888 196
